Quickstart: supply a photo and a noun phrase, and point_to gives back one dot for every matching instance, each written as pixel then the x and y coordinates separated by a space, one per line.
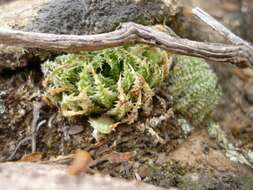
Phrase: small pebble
pixel 76 129
pixel 249 93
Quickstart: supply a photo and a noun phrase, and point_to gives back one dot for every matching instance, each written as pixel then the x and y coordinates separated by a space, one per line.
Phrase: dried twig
pixel 218 27
pixel 239 55
pixel 35 125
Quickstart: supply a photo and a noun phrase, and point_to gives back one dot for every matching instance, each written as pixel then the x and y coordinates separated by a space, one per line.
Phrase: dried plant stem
pixel 240 55
pixel 218 27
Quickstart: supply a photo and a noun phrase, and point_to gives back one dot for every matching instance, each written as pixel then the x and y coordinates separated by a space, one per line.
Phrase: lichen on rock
pixel 98 16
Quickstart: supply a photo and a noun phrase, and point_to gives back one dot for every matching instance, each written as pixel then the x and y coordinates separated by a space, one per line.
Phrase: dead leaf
pixel 248 72
pixel 240 74
pixel 80 163
pixel 55 91
pixel 117 157
pixel 33 157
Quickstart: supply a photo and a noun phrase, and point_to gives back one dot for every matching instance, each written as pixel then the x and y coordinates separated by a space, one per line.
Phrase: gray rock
pixel 76 17
pixel 32 176
pixel 98 16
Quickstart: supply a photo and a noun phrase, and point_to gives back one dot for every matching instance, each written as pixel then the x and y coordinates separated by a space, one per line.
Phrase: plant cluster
pixel 118 83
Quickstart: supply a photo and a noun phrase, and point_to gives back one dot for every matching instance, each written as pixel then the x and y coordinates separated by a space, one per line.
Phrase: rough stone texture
pixel 77 17
pixel 98 16
pixel 237 15
pixel 19 176
pixel 16 14
pixel 4 1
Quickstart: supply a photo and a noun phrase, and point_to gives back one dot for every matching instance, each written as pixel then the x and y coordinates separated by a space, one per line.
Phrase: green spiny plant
pixel 118 82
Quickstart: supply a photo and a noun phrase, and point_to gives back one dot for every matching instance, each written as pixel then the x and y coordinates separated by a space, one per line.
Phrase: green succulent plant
pixel 118 82
pixel 194 88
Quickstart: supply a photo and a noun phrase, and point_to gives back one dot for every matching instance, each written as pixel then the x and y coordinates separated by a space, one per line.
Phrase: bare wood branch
pixel 218 27
pixel 239 55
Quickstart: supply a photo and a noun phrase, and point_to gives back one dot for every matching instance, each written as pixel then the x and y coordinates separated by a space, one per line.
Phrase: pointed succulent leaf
pixel 103 124
pixel 123 104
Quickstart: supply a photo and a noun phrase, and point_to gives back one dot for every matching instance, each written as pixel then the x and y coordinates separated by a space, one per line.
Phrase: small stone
pixel 76 129
pixel 249 93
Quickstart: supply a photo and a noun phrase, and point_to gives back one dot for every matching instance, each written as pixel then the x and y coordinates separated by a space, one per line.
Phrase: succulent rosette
pixel 118 83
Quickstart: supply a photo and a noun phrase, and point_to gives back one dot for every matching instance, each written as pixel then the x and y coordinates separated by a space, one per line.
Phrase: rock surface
pixel 194 163
pixel 77 17
pixel 237 15
pixel 98 16
pixel 18 176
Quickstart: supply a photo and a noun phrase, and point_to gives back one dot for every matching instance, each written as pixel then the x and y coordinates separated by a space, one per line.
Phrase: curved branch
pixel 218 27
pixel 239 55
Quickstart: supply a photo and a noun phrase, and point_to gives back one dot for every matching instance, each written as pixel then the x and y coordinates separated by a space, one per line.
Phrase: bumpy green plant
pixel 194 88
pixel 116 81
